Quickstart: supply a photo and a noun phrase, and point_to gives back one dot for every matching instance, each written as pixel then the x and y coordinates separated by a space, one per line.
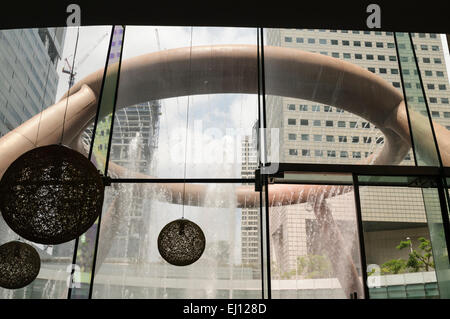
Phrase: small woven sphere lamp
pixel 181 242
pixel 19 265
pixel 51 195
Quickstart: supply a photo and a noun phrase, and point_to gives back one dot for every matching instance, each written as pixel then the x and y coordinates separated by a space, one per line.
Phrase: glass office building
pixel 315 161
pixel 28 69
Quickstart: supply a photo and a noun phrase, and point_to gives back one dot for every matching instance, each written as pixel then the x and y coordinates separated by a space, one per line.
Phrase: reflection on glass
pixel 107 104
pixel 128 261
pixel 400 249
pixel 422 135
pixel 432 56
pixel 38 67
pixel 437 235
pixel 401 180
pixel 314 129
pixel 211 101
pixel 91 55
pixel 311 178
pixel 51 280
pixel 373 180
pixel 100 141
pixel 314 242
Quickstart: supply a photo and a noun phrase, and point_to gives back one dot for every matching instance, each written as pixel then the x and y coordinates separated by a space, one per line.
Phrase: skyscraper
pixel 250 236
pixel 316 133
pixel 28 74
pixel 134 142
pixel 28 78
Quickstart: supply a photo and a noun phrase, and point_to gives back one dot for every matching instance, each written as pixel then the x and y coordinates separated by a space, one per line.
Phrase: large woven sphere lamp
pixel 51 195
pixel 181 242
pixel 19 265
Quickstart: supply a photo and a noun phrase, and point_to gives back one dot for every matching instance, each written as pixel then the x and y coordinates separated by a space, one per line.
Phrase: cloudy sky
pixel 218 121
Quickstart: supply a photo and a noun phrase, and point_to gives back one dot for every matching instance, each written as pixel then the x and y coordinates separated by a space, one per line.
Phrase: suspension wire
pixel 187 124
pixel 43 98
pixel 70 81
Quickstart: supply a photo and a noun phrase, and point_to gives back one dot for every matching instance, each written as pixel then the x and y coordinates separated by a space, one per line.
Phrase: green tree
pixel 419 260
pixel 394 266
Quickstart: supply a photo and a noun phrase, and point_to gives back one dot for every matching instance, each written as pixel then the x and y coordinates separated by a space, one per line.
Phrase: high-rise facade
pixel 250 236
pixel 28 74
pixel 28 79
pixel 134 142
pixel 316 133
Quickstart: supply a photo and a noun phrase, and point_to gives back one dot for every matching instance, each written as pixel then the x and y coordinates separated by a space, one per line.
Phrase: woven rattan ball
pixel 51 195
pixel 181 242
pixel 19 265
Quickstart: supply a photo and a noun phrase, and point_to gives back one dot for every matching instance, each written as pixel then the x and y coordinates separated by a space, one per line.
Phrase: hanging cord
pixel 70 81
pixel 187 125
pixel 43 99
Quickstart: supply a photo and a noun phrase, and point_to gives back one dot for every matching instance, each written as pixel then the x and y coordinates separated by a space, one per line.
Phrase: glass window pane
pixel 184 111
pixel 100 147
pixel 422 134
pixel 37 68
pixel 308 225
pixel 438 80
pixel 326 91
pixel 35 74
pixel 399 247
pixel 128 261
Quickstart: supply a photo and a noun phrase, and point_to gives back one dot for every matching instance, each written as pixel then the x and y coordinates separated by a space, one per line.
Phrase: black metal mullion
pixel 362 250
pixel 375 170
pixel 265 177
pixel 111 130
pixel 405 99
pixel 258 62
pixel 263 93
pixel 389 184
pixel 260 155
pixel 445 185
pixel 425 101
pixel 266 194
pixel 106 165
pixel 180 180
pixel 444 212
pixel 74 257
pixel 289 182
pixel 97 115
